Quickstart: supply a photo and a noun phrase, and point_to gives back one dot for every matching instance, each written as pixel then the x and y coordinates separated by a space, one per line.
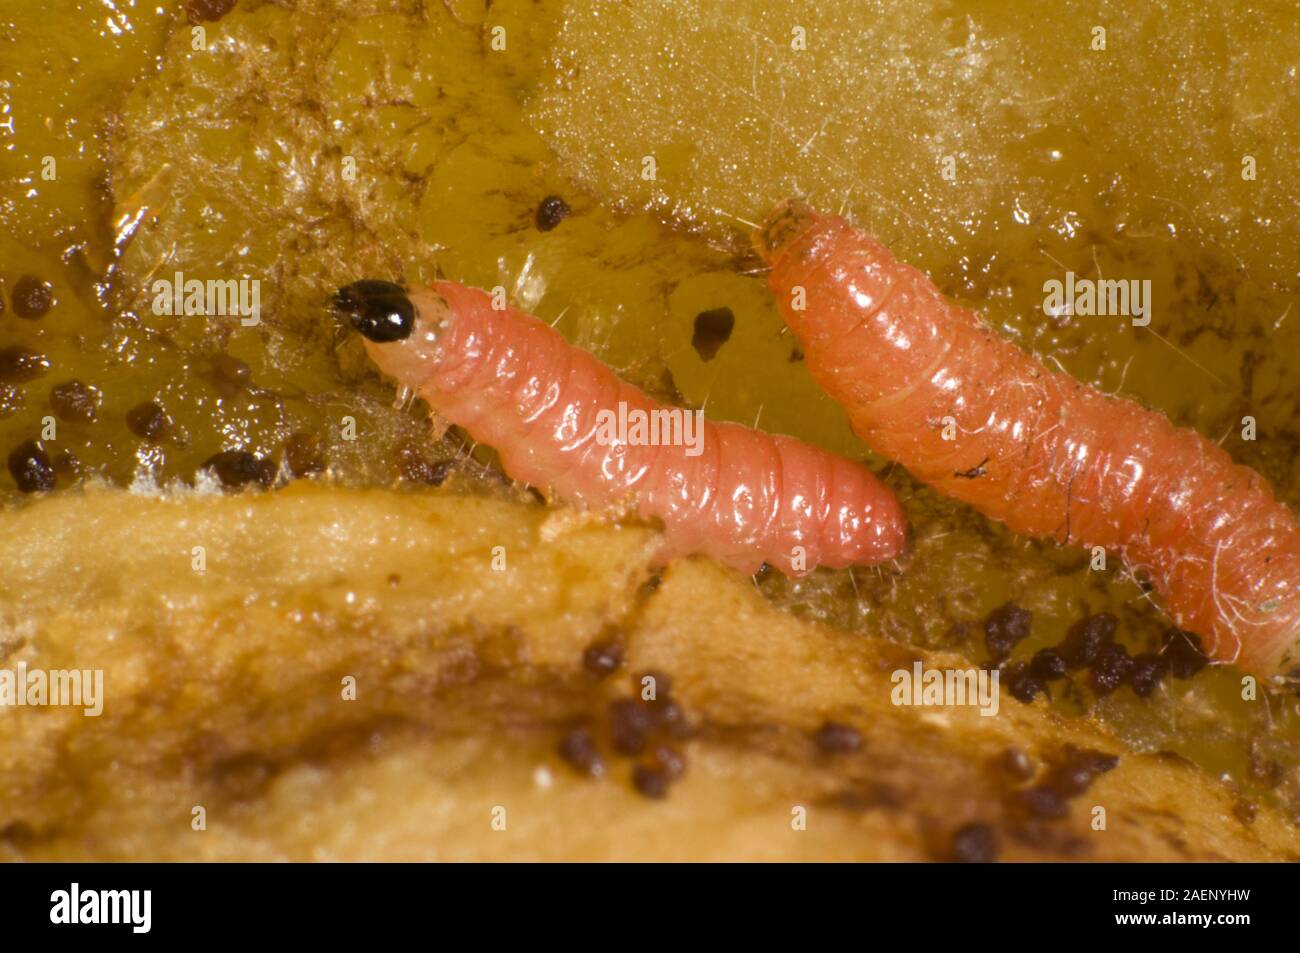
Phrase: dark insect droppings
pixel 1023 684
pixel 302 452
pixel 1086 639
pixel 1182 650
pixel 669 760
pixel 236 468
pixel 1077 769
pixel 31 468
pixel 579 750
pixel 415 468
pixel 1005 628
pixel 1147 672
pixel 1048 665
pixel 1017 764
pixel 667 715
pixel 18 833
pixel 603 657
pixel 1110 668
pixel 629 723
pixel 19 364
pixel 551 211
pixel 836 738
pixel 650 782
pixel 32 298
pixel 975 844
pixel 75 402
pixel 712 330
pixel 210 11
pixel 1045 802
pixel 149 421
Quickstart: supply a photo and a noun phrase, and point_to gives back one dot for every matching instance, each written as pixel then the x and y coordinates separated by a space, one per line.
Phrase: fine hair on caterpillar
pixel 566 424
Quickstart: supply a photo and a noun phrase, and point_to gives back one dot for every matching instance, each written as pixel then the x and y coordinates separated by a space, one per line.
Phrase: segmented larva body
pixel 745 497
pixel 929 384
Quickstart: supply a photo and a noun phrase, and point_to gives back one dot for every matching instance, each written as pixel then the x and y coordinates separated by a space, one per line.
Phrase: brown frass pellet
pixel 303 454
pixel 75 402
pixel 629 723
pixel 19 365
pixel 551 211
pixel 669 760
pixel 1182 650
pixel 667 715
pixel 1147 672
pixel 975 844
pixel 835 737
pixel 415 468
pixel 1017 764
pixel 200 11
pixel 31 468
pixel 712 330
pixel 1110 668
pixel 1086 638
pixel 578 749
pixel 1021 681
pixel 650 781
pixel 1070 779
pixel 603 657
pixel 1078 767
pixel 439 472
pixel 149 421
pixel 235 468
pixel 1045 802
pixel 1005 628
pixel 1048 665
pixel 32 298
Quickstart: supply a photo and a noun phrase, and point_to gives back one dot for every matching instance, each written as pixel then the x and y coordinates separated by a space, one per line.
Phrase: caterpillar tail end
pixel 781 227
pixel 380 310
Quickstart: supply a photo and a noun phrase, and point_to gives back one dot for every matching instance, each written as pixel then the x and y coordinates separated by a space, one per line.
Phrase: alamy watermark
pixel 661 427
pixel 946 687
pixel 1100 296
pixel 131 907
pixel 193 296
pixel 57 688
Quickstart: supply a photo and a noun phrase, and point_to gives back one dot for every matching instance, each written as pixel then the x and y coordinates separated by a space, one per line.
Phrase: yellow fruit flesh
pixel 232 160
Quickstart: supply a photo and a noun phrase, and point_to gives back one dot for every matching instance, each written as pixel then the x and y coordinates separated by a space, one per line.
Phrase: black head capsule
pixel 380 310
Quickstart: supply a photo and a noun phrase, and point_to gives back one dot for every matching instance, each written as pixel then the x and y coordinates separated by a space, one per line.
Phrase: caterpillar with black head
pixel 515 384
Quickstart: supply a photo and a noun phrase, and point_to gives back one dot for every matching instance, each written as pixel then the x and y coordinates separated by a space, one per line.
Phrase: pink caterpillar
pixel 1035 448
pixel 514 383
